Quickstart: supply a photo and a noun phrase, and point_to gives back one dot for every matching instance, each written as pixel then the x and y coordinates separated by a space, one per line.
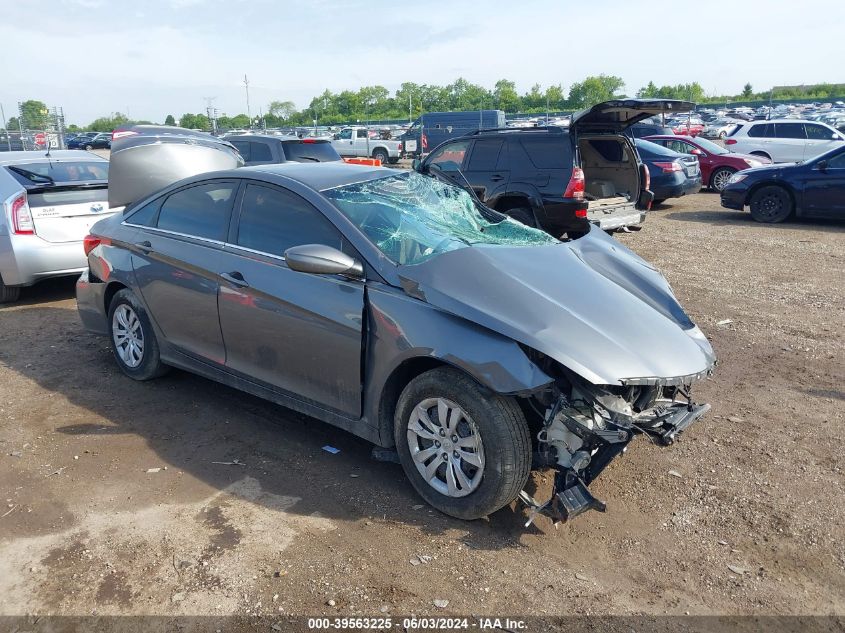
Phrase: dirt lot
pixel 745 514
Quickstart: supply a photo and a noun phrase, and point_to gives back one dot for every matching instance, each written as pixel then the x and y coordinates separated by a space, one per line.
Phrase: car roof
pixel 323 176
pixel 785 121
pixel 266 137
pixel 16 158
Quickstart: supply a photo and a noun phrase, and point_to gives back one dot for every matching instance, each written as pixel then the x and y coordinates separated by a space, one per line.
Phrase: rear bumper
pixel 26 259
pixel 90 301
pixel 676 190
pixel 612 221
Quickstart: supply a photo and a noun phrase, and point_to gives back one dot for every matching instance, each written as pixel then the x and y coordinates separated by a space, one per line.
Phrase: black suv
pixel 557 178
pixel 260 149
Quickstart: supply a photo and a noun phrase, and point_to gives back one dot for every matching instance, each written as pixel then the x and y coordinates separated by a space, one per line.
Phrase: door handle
pixel 235 278
pixel 497 178
pixel 145 246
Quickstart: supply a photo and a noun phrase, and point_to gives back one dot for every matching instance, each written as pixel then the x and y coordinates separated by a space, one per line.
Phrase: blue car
pixel 811 189
pixel 672 174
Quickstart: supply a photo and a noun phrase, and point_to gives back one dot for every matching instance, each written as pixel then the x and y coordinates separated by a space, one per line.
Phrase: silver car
pixel 49 204
pixel 399 308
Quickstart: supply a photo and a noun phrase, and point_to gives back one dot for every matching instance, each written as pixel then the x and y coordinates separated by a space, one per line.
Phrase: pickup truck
pixel 354 141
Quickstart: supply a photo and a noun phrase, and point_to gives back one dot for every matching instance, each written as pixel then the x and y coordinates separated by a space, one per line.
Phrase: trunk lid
pixel 146 159
pixel 65 213
pixel 618 114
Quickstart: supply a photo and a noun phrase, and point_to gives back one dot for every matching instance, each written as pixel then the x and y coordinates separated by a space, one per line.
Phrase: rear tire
pixel 657 202
pixel 133 340
pixel 771 204
pixel 522 214
pixel 9 294
pixel 89 148
pixel 381 155
pixel 480 428
pixel 719 178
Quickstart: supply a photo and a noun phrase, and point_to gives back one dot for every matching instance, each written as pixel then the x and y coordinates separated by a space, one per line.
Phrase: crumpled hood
pixel 591 304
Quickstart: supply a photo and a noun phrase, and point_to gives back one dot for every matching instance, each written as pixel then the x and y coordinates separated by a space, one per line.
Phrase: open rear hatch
pixel 147 158
pixel 618 114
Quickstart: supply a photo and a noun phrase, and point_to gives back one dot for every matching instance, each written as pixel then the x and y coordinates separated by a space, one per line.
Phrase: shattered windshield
pixel 411 218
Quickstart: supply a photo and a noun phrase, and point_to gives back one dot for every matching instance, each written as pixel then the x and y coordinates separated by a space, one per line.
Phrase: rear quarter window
pixel 765 130
pixel 548 153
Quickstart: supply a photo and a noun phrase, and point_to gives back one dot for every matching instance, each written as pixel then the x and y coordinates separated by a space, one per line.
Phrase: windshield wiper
pixel 31 175
pixel 316 160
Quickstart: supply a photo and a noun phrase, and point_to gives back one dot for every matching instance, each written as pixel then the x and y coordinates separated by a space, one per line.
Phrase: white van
pixel 784 140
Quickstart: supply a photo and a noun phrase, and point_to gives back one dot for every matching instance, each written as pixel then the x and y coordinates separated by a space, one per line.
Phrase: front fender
pixel 402 329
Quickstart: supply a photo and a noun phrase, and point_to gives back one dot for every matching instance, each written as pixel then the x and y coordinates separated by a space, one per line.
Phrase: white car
pixel 784 140
pixel 47 205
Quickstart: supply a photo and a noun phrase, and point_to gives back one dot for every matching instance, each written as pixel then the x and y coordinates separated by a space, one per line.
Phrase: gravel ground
pixel 180 496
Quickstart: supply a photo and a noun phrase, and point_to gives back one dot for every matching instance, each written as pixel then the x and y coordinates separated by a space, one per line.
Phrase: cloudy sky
pixel 150 58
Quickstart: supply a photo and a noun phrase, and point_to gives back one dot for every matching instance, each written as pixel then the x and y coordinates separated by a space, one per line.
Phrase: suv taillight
pixel 730 141
pixel 90 242
pixel 646 177
pixel 21 216
pixel 575 188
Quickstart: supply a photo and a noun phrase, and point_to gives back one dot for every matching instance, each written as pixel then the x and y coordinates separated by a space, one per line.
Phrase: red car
pixel 688 129
pixel 717 163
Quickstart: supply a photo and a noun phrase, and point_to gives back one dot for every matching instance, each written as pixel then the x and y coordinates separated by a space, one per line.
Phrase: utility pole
pixel 209 109
pixel 248 112
pixel 409 108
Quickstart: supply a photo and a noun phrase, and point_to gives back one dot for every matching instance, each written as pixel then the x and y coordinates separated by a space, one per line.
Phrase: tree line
pixel 373 103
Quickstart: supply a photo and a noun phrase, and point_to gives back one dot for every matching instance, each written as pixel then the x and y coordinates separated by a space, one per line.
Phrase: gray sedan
pixel 397 307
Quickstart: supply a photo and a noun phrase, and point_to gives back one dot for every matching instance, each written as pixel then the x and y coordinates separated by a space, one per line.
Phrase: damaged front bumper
pixel 585 431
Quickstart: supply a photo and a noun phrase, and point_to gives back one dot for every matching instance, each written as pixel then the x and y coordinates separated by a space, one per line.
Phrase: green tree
pixel 34 114
pixel 747 91
pixel 281 109
pixel 108 123
pixel 12 123
pixel 534 100
pixel 555 98
pixel 505 96
pixel 195 121
pixel 169 120
pixel 648 92
pixel 594 90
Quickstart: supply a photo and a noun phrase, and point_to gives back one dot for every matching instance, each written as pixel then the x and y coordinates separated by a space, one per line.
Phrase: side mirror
pixel 696 151
pixel 415 164
pixel 822 165
pixel 319 259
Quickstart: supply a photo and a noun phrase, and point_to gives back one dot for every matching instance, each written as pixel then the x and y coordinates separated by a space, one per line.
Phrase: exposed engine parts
pixel 587 426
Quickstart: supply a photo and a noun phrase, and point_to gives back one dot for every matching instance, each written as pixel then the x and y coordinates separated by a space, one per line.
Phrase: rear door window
pixel 485 155
pixel 200 211
pixel 273 220
pixel 790 130
pixel 548 153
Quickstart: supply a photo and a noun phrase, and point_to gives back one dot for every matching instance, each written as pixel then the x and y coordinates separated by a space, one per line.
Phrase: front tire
pixel 9 294
pixel 89 147
pixel 771 204
pixel 719 178
pixel 133 340
pixel 467 452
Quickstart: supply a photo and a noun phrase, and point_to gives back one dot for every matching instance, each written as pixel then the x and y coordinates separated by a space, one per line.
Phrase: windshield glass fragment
pixel 412 218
